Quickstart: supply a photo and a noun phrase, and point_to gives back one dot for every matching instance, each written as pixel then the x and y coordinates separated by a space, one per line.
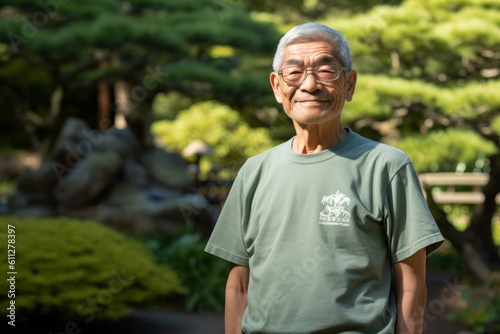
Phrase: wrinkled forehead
pixel 310 53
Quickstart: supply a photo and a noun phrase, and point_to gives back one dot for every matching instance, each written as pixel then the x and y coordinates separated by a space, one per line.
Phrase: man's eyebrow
pixel 322 60
pixel 326 59
pixel 294 62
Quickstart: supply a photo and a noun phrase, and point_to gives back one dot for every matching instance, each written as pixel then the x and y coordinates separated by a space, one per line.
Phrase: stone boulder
pixel 88 180
pixel 158 162
pixel 113 178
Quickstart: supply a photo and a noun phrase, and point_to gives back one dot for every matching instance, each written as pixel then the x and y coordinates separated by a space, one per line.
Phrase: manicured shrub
pixel 231 139
pixel 82 269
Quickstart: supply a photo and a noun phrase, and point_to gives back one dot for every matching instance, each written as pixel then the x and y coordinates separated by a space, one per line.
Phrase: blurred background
pixel 123 124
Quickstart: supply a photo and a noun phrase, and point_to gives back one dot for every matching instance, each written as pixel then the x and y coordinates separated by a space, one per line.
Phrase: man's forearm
pixel 411 293
pixel 236 298
pixel 236 302
pixel 411 307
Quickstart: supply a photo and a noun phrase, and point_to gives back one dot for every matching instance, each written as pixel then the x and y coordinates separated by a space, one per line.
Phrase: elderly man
pixel 327 232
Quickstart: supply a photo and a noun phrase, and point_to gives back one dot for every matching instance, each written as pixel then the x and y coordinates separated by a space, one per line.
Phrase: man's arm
pixel 236 298
pixel 411 293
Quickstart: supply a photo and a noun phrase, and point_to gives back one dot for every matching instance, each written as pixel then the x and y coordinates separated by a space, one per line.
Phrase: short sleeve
pixel 409 223
pixel 226 240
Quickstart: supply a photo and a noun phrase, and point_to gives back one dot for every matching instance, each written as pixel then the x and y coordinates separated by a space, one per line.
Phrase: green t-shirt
pixel 320 233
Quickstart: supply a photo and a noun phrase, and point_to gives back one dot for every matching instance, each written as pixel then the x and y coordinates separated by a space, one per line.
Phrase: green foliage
pixel 447 259
pixel 7 187
pixel 495 125
pixel 427 39
pixel 495 226
pixel 167 106
pixel 377 96
pixel 458 215
pixel 203 274
pixel 292 11
pixel 81 269
pixel 444 150
pixel 63 44
pixel 482 311
pixel 472 101
pixel 222 128
pixel 428 79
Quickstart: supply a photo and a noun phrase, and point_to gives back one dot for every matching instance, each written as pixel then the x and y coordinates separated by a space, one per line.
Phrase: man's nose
pixel 310 83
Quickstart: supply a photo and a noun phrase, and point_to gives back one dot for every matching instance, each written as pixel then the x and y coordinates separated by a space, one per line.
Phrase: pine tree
pixel 121 53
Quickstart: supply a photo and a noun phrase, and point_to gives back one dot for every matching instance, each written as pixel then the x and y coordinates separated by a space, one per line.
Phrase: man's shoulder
pixel 381 150
pixel 371 154
pixel 262 158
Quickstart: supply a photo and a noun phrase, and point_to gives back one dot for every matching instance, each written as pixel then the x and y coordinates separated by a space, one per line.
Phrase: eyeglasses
pixel 325 73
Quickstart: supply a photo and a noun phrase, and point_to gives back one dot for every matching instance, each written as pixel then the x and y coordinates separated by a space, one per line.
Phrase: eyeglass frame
pixel 313 70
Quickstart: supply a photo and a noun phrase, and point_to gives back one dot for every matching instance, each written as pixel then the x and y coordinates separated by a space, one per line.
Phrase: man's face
pixel 311 101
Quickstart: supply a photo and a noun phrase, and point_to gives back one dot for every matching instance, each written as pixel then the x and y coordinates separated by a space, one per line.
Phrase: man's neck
pixel 316 138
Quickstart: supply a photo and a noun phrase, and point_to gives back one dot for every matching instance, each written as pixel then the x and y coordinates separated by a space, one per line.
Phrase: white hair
pixel 313 32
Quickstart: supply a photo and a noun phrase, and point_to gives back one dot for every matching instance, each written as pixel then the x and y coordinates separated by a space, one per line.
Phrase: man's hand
pixel 236 298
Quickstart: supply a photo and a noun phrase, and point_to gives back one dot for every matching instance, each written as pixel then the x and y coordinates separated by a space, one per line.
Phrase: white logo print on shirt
pixel 335 212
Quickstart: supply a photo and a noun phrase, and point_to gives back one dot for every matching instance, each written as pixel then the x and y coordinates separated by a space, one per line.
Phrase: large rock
pixel 93 175
pixel 114 178
pixel 167 169
pixel 88 180
pixel 133 210
pixel 75 141
pixel 121 141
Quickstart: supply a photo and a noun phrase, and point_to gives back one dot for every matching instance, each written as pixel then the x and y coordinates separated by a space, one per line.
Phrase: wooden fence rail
pixel 456 188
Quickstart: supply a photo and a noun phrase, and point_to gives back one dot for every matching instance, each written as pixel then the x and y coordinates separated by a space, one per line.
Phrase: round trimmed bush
pixel 79 269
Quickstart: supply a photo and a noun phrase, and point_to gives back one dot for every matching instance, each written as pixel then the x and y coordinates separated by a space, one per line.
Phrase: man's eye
pixel 326 69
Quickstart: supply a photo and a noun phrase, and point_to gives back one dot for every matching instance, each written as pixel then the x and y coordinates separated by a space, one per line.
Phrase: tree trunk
pixel 483 215
pixel 55 105
pixel 139 120
pixel 122 107
pixel 104 116
pixel 133 112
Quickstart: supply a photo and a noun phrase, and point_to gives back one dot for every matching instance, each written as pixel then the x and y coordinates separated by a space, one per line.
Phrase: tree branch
pixel 55 105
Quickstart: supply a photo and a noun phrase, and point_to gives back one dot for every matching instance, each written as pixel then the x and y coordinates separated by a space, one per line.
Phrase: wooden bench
pixel 469 187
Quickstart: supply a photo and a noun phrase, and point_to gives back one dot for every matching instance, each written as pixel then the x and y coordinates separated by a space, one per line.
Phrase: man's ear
pixel 351 85
pixel 276 86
